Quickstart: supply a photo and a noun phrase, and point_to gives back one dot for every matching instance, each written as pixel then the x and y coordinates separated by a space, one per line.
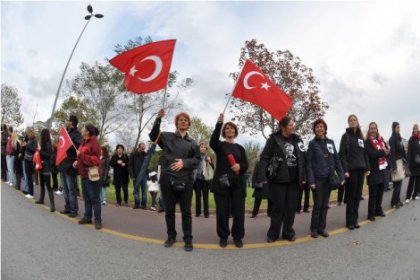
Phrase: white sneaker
pixel 103 202
pixel 417 197
pixel 153 208
pixel 29 196
pixel 407 201
pixel 58 192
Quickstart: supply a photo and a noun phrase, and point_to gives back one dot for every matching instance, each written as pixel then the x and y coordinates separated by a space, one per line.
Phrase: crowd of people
pixel 286 171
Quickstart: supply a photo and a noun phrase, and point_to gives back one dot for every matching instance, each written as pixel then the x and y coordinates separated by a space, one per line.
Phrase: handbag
pixel 177 184
pixel 208 172
pixel 224 181
pixel 37 160
pixel 417 159
pixel 398 174
pixel 334 180
pixel 93 173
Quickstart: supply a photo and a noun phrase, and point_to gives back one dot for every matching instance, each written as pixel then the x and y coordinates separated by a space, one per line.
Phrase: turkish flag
pixel 146 67
pixel 254 86
pixel 63 145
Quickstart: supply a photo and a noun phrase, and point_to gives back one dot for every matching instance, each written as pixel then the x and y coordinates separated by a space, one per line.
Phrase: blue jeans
pixel 104 194
pixel 69 189
pixel 91 194
pixel 10 161
pixel 25 183
pixel 143 185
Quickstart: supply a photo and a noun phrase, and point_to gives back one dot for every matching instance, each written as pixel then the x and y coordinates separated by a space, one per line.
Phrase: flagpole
pixel 164 97
pixel 230 97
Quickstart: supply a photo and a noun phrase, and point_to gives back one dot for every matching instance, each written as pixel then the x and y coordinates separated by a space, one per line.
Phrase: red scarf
pixel 379 144
pixel 416 135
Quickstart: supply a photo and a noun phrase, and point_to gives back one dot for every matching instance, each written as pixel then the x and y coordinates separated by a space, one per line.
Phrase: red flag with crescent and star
pixel 255 87
pixel 146 67
pixel 63 145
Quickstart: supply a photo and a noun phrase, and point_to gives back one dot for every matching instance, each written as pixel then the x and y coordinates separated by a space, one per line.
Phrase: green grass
pixel 249 201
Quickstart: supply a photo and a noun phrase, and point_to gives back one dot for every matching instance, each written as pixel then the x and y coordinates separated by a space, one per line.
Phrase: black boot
pixel 41 196
pixel 52 204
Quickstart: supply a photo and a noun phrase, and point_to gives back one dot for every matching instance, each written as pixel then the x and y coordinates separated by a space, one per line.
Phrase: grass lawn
pixel 249 202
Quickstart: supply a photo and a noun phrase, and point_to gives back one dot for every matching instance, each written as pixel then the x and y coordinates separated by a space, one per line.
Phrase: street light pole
pixel 88 18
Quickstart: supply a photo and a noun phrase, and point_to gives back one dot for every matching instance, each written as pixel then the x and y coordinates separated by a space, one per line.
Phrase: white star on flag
pixel 133 70
pixel 265 86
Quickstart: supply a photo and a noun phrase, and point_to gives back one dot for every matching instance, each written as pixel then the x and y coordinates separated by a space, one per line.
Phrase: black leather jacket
pixel 174 146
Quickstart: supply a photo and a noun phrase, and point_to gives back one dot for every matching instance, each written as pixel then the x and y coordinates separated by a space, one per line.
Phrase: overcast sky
pixel 366 56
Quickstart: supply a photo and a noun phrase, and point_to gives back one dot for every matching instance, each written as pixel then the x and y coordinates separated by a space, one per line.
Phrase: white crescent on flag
pixel 158 67
pixel 62 142
pixel 249 75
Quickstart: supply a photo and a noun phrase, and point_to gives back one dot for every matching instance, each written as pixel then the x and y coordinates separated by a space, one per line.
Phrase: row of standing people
pixel 286 166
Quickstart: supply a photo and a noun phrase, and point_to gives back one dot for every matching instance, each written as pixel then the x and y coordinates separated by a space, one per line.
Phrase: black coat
pixel 397 150
pixel 259 193
pixel 19 157
pixel 271 148
pixel 376 175
pixel 174 146
pixel 135 163
pixel 66 165
pixel 120 172
pixel 317 165
pixel 413 151
pixel 30 149
pixel 4 138
pixel 223 166
pixel 105 172
pixel 46 158
pixel 352 152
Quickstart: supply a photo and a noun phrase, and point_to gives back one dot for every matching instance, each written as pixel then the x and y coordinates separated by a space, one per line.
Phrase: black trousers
pixel 284 198
pixel 376 193
pixel 342 195
pixel 306 202
pixel 354 188
pixel 232 203
pixel 184 199
pixel 118 193
pixel 396 193
pixel 321 196
pixel 54 176
pixel 29 170
pixel 3 167
pixel 257 204
pixel 45 182
pixel 201 187
pixel 413 188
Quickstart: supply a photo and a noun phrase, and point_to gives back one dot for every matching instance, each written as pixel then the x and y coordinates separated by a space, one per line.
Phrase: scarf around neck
pixel 379 144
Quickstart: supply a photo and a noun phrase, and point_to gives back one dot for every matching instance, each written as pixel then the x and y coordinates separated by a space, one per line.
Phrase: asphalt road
pixel 39 245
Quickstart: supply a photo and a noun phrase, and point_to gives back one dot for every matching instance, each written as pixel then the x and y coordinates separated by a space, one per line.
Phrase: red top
pixel 89 155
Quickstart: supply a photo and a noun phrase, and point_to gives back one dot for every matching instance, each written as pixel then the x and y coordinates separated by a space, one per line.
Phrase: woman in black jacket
pixel 260 192
pixel 413 159
pixel 398 157
pixel 30 149
pixel 47 166
pixel 229 184
pixel 322 162
pixel 18 163
pixel 283 167
pixel 180 156
pixel 105 180
pixel 355 163
pixel 119 161
pixel 377 151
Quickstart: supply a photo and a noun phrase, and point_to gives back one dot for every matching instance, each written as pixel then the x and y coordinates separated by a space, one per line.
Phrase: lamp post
pixel 87 18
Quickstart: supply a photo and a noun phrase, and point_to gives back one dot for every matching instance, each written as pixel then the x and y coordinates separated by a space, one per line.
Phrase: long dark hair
pixel 359 132
pixel 45 138
pixel 105 153
pixel 91 129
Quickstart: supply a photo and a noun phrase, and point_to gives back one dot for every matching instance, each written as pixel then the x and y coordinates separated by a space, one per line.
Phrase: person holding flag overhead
pixel 229 183
pixel 68 172
pixel 181 156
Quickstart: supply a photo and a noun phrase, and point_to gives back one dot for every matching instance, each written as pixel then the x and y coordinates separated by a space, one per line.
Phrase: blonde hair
pixel 14 139
pixel 30 131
